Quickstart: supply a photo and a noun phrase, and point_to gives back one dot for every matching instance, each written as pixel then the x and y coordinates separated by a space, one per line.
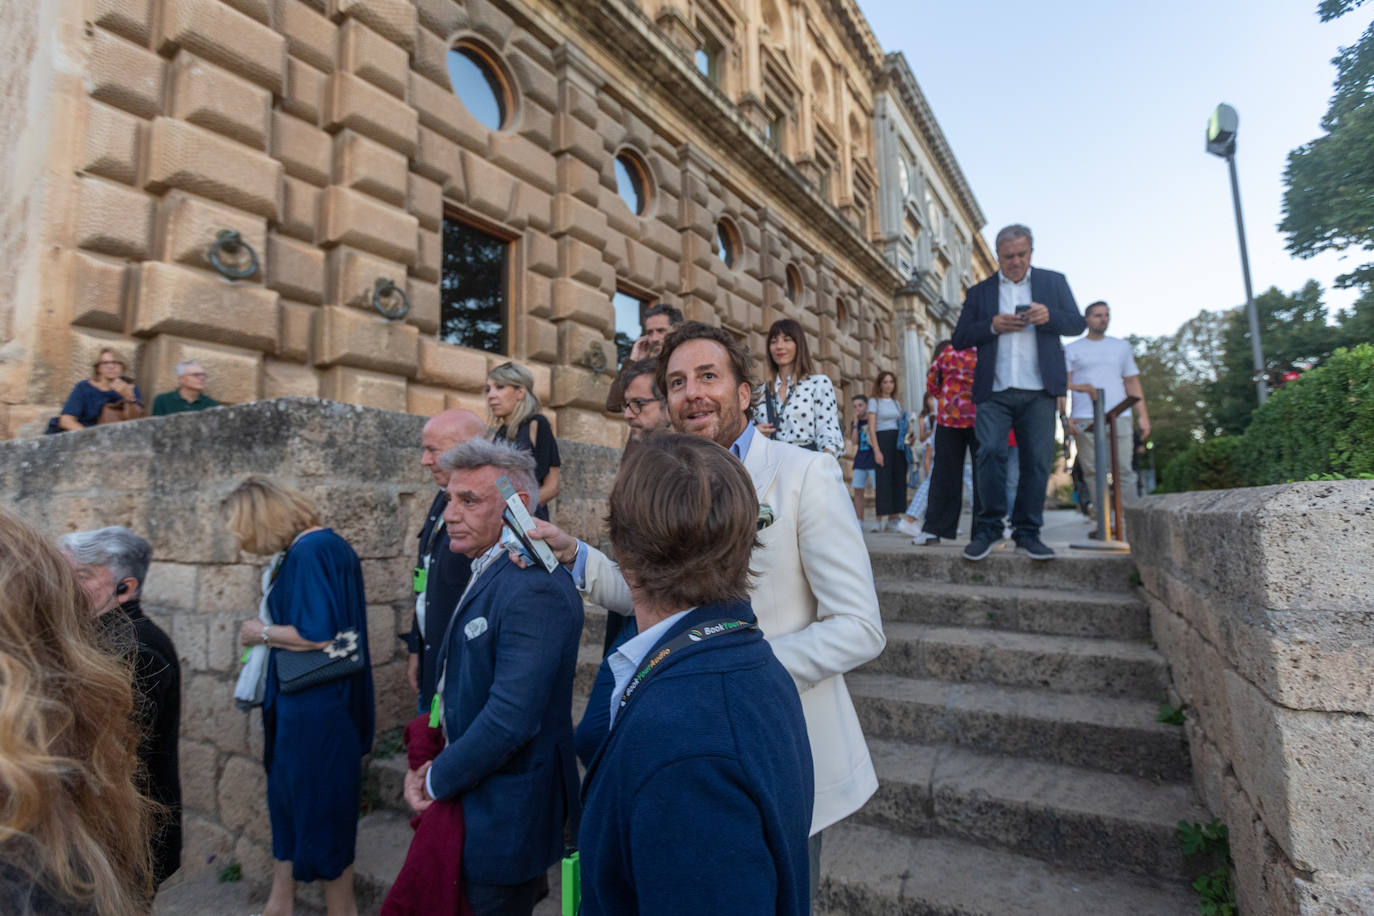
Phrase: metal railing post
pixel 1101 458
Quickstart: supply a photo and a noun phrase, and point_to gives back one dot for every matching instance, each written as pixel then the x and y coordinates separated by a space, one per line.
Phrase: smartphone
pixel 1022 309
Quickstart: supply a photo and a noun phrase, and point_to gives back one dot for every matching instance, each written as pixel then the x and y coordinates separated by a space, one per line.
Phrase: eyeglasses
pixel 634 406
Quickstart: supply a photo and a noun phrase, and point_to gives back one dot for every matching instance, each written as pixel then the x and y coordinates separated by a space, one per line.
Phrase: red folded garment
pixel 431 880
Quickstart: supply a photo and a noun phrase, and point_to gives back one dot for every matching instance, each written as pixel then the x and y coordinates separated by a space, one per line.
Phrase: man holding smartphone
pixel 1015 318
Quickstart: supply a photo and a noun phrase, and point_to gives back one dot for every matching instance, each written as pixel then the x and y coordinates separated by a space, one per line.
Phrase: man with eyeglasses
pixel 643 402
pixel 189 395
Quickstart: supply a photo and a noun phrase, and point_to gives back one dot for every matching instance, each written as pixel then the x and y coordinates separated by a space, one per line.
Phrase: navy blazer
pixel 975 330
pixel 699 800
pixel 508 661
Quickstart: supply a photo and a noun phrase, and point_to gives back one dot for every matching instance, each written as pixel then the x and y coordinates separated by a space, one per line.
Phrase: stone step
pixel 1059 611
pixel 1070 569
pixel 868 871
pixel 1066 664
pixel 1103 733
pixel 1066 815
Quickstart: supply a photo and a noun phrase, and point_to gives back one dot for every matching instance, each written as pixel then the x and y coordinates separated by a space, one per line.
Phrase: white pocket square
pixel 475 628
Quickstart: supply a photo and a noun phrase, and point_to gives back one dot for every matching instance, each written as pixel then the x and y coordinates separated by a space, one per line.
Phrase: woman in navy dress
pixel 106 385
pixel 314 739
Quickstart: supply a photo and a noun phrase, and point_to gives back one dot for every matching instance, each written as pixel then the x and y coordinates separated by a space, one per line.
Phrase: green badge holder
pixel 572 883
pixel 418 575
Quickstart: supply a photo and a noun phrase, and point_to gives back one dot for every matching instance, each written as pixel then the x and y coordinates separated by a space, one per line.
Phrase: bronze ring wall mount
pixel 231 243
pixel 386 288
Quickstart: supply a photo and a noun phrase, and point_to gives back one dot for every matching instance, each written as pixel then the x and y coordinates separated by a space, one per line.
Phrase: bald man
pixel 440 575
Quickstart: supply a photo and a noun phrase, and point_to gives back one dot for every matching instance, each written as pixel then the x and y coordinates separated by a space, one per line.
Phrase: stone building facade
pixel 528 173
pixel 928 217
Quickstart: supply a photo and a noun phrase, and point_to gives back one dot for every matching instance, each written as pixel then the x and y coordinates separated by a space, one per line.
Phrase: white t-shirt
pixel 1102 364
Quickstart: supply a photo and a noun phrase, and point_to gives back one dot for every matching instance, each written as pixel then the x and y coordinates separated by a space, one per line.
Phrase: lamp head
pixel 1221 131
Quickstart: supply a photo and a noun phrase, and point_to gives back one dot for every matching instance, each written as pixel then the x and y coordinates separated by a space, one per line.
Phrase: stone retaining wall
pixel 1263 602
pixel 166 477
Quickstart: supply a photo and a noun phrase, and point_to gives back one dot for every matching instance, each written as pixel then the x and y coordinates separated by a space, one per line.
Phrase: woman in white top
pixel 886 420
pixel 798 406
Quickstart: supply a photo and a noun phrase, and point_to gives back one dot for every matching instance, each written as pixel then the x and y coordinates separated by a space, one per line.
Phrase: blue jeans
pixel 1031 415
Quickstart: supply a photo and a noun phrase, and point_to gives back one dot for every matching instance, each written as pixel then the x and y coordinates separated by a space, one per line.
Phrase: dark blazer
pixel 448 576
pixel 700 799
pixel 975 330
pixel 508 661
pixel 157 686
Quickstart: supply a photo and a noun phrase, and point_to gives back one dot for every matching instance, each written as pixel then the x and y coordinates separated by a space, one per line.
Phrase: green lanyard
pixel 705 631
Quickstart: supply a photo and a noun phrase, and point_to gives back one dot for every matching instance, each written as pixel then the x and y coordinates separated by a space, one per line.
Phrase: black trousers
pixel 890 479
pixel 947 480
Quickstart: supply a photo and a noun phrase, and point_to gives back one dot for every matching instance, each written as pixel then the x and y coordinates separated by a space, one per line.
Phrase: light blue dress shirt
pixel 626 660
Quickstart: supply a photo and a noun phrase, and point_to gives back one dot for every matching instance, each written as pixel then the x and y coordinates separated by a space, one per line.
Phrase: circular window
pixel 794 283
pixel 631 182
pixel 478 85
pixel 728 247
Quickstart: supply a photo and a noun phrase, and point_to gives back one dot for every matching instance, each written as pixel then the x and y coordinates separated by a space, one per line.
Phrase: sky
pixel 1086 121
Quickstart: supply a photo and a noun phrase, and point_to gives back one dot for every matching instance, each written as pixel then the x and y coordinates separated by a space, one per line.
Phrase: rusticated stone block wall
pixel 1263 602
pixel 326 134
pixel 166 477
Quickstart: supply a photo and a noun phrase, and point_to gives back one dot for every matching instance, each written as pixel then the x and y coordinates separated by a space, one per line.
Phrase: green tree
pixel 1176 373
pixel 1295 334
pixel 1328 204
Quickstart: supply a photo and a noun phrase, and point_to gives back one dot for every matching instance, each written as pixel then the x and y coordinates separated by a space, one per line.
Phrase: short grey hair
pixel 183 368
pixel 483 453
pixel 1014 231
pixel 124 553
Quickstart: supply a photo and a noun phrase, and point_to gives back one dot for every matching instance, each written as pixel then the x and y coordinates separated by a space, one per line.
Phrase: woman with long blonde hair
pixel 73 827
pixel 515 418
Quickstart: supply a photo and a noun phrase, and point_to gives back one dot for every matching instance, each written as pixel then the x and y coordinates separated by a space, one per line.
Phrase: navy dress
pixel 315 739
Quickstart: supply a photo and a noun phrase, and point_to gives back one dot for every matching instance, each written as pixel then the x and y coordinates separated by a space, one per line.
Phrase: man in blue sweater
pixel 700 798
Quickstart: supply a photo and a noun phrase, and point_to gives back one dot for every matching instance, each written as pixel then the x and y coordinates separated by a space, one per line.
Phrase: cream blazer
pixel 815 601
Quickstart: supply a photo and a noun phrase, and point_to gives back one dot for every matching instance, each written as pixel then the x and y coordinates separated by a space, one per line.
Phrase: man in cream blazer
pixel 813 591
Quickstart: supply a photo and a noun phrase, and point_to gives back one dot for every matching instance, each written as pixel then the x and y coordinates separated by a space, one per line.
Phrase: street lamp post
pixel 1221 141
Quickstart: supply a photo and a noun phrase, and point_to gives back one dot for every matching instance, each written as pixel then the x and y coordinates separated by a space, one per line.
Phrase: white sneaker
pixel 907 527
pixel 876 526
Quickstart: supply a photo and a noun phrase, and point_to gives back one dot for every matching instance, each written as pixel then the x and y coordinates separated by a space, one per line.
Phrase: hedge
pixel 1321 424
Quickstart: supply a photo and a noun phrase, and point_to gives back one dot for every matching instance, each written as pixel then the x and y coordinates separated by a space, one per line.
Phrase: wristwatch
pixel 265 628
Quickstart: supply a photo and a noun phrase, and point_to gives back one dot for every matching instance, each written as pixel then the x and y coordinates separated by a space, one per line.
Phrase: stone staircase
pixel 1012 723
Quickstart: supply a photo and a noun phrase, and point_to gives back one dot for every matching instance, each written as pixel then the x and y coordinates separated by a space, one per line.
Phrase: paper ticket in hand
pixel 520 522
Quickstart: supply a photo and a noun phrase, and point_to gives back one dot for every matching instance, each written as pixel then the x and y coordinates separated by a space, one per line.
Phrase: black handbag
pixel 297 671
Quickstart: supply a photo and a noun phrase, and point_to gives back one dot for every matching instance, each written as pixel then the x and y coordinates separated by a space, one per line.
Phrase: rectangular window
pixel 774 133
pixel 708 59
pixel 823 185
pixel 473 288
pixel 628 320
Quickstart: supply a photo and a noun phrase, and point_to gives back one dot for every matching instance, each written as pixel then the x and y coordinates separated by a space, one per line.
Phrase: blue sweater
pixel 699 800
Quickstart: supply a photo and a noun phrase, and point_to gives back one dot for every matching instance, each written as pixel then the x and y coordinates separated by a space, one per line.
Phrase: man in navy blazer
pixel 1015 318
pixel 699 800
pixel 505 684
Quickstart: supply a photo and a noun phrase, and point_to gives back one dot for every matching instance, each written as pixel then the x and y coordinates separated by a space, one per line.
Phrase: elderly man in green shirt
pixel 189 395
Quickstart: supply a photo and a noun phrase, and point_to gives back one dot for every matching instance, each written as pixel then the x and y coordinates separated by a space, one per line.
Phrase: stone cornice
pixel 897 76
pixel 856 30
pixel 639 45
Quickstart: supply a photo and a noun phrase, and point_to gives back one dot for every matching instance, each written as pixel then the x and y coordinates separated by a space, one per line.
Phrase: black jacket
pixel 448 576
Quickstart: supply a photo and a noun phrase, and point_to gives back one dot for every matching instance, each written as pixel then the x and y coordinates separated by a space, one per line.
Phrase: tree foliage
pixel 1177 372
pixel 1328 202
